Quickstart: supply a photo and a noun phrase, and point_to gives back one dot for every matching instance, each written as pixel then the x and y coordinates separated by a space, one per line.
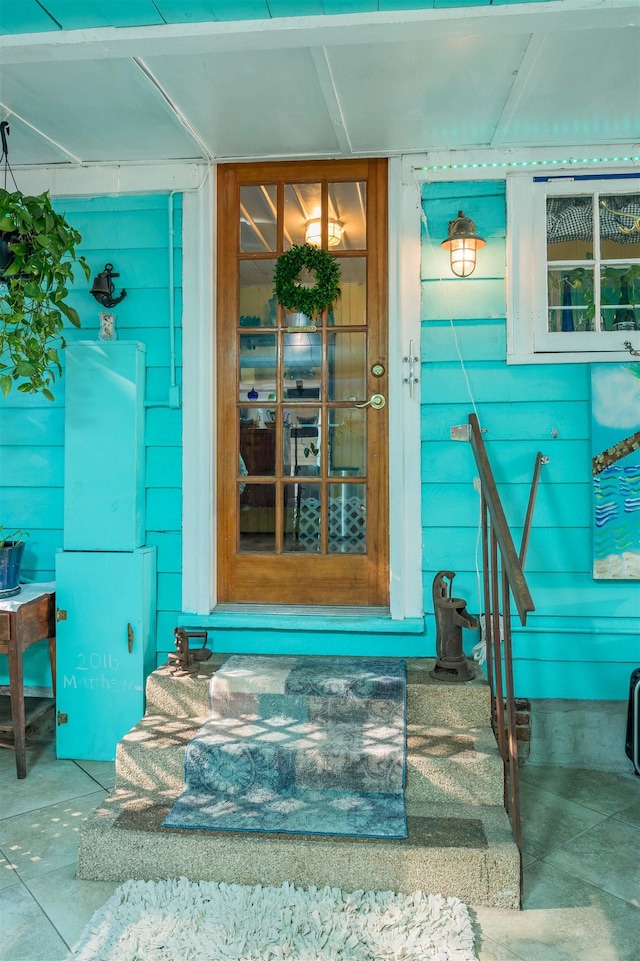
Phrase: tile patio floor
pixel 581 833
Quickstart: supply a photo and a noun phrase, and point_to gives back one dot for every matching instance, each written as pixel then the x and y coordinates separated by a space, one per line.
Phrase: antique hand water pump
pixel 451 617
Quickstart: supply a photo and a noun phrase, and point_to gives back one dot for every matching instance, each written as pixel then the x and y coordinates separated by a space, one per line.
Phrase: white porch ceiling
pixel 525 75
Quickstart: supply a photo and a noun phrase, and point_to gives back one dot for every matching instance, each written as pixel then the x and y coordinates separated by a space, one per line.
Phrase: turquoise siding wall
pixel 584 638
pixel 132 233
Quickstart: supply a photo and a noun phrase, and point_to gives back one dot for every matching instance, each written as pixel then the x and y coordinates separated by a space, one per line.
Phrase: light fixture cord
pixel 449 314
pixel 5 130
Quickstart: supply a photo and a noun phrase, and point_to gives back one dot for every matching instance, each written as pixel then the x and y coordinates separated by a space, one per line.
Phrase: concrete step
pixel 459 844
pixel 429 701
pixel 456 850
pixel 443 764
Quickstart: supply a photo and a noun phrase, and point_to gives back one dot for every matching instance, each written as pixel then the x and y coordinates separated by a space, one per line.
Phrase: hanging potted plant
pixel 37 253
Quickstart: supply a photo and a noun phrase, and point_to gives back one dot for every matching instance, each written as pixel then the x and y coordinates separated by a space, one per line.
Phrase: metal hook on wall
pixel 412 359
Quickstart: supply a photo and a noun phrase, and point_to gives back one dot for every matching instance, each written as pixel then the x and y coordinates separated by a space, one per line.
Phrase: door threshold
pixel 320 610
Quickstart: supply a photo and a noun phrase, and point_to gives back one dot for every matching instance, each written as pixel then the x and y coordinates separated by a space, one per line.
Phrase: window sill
pixel 576 357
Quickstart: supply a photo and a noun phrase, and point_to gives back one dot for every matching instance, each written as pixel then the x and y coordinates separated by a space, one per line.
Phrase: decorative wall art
pixel 615 447
pixel 107 327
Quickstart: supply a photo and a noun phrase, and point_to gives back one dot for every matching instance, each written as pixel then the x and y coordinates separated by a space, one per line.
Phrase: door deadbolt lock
pixel 377 401
pixel 377 370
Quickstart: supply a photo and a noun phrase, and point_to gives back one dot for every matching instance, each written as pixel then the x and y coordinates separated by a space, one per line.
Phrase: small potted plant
pixel 37 254
pixel 11 551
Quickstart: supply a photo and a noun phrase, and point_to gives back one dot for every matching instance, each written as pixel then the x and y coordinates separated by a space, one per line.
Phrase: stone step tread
pixel 459 850
pixel 434 740
pixel 302 734
pixel 428 741
pixel 442 763
pixel 143 811
pixel 427 698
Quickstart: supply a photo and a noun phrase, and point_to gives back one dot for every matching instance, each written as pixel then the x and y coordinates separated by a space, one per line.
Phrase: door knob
pixel 377 401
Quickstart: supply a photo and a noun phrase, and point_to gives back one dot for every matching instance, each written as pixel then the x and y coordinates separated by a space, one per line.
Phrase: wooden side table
pixel 28 617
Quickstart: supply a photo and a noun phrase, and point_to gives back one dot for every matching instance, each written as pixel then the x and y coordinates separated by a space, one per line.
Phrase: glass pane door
pixel 297 489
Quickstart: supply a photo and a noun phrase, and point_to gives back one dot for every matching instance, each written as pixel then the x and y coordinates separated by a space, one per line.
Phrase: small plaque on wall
pixel 615 447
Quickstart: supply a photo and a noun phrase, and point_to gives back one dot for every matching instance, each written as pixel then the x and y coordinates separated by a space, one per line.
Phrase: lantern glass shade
pixel 313 232
pixel 463 257
pixel 462 243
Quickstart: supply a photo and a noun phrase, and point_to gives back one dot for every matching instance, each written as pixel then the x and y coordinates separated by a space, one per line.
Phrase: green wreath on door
pixel 298 298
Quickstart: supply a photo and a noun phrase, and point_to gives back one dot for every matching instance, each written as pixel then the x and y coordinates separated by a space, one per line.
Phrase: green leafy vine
pixel 39 250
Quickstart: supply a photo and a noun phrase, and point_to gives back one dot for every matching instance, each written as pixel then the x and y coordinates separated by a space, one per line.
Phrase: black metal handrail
pixel 503 578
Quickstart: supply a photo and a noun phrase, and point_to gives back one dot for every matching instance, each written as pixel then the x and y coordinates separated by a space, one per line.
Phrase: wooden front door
pixel 302 491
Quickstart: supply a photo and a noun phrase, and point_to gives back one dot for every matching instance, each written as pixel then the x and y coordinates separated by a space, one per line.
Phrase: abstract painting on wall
pixel 615 448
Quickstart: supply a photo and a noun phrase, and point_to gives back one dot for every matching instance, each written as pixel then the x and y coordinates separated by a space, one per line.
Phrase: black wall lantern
pixel 103 288
pixel 462 243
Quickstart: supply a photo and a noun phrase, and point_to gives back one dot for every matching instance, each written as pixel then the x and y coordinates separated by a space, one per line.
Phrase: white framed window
pixel 573 249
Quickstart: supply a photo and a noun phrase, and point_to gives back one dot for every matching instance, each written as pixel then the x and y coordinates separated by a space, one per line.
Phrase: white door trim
pixel 405 527
pixel 198 420
pixel 199 521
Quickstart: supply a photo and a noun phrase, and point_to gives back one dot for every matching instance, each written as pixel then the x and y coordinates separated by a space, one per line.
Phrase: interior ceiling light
pixel 462 243
pixel 313 232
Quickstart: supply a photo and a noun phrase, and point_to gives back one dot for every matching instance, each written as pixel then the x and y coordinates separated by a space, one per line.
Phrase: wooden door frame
pixel 346 578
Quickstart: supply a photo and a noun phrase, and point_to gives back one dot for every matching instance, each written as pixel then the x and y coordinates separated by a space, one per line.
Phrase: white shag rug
pixel 178 920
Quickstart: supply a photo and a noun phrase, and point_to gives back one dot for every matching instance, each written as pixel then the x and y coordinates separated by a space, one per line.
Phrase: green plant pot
pixel 10 563
pixel 6 253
